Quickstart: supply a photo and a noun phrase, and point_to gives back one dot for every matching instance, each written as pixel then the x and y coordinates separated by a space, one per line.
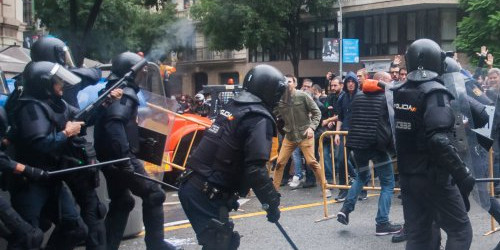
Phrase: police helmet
pixel 424 60
pixel 39 78
pixel 122 63
pixel 53 50
pixel 265 82
pixel 199 97
pixel 450 65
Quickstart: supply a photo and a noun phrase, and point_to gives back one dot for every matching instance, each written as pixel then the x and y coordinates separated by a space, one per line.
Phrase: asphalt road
pixel 301 209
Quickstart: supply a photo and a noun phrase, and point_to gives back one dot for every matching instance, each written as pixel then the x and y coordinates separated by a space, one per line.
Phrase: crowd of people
pixel 189 105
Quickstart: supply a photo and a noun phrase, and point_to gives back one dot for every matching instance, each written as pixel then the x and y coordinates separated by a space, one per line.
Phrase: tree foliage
pixel 235 24
pixel 480 26
pixel 120 25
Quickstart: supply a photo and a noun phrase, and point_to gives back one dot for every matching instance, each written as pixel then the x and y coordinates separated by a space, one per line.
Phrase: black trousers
pixel 83 186
pixel 425 201
pixel 121 185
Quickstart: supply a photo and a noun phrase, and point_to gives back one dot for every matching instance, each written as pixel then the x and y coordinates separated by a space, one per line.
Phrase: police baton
pixel 75 169
pixel 487 179
pixel 282 230
pixel 156 181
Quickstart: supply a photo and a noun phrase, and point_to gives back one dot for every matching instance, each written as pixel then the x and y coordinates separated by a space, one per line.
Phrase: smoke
pixel 177 35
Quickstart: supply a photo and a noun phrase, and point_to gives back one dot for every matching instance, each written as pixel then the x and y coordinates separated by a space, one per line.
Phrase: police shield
pixel 152 81
pixel 154 127
pixel 473 155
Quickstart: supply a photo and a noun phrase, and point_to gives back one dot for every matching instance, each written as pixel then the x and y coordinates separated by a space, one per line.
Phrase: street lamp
pixel 339 21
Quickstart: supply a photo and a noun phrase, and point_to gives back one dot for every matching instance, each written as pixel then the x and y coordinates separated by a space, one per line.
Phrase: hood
pixel 351 75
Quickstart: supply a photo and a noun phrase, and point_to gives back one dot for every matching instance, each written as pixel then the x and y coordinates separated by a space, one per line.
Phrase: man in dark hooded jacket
pixel 351 86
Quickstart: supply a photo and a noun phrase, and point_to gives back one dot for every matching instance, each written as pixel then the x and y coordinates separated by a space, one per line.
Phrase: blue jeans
pixel 386 176
pixel 496 161
pixel 297 162
pixel 327 155
pixel 341 166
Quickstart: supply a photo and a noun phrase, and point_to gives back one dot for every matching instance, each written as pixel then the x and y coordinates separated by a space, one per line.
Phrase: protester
pixel 343 124
pixel 370 138
pixel 301 116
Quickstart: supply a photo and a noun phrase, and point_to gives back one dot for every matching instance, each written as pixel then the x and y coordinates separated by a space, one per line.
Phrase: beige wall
pixel 11 22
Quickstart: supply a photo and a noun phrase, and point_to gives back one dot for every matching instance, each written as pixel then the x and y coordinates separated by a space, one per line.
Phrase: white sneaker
pixel 295 182
pixel 328 193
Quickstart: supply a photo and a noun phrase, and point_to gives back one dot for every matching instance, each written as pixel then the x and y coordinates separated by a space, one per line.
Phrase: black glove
pixel 35 174
pixel 126 167
pixel 465 186
pixel 273 214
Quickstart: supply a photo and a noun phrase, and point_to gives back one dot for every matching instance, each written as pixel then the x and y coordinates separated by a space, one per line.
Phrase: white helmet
pixel 199 97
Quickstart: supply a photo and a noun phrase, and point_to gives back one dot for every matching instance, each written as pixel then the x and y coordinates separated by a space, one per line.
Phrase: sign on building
pixel 350 49
pixel 330 52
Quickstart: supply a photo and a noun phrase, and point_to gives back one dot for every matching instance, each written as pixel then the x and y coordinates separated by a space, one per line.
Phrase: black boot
pixel 400 237
pixel 153 225
pixel 116 221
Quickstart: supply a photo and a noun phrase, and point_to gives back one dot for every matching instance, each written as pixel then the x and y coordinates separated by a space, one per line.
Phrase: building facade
pixel 385 28
pixel 12 24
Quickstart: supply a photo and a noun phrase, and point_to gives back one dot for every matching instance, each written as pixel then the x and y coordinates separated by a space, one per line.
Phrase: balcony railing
pixel 205 54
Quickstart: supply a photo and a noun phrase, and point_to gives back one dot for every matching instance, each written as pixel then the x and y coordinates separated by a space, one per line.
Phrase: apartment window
pixel 448 28
pixel 410 26
pixel 393 28
pixel 351 28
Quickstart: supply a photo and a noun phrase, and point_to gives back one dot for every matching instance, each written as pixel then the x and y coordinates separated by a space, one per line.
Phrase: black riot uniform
pixel 477 101
pixel 116 136
pixel 84 183
pixel 231 158
pixel 39 119
pixel 12 226
pixel 427 158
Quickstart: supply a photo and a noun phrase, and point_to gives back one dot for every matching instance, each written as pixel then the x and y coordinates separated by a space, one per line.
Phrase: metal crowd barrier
pixel 331 134
pixel 492 193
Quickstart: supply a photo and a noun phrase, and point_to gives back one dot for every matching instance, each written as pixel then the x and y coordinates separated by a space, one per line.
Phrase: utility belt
pixel 210 190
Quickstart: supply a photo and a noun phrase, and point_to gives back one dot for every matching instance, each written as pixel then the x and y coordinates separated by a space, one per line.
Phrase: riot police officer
pixel 41 132
pixel 15 229
pixel 84 183
pixel 116 136
pixel 427 159
pixel 231 158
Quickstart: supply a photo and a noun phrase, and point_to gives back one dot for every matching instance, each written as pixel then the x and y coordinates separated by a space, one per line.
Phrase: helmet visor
pixel 61 74
pixel 64 56
pixel 4 88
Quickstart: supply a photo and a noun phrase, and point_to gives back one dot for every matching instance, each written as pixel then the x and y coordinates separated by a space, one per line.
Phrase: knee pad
pixel 155 198
pixel 123 203
pixel 101 211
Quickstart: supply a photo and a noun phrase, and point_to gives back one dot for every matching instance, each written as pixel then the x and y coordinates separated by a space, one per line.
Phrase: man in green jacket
pixel 301 116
